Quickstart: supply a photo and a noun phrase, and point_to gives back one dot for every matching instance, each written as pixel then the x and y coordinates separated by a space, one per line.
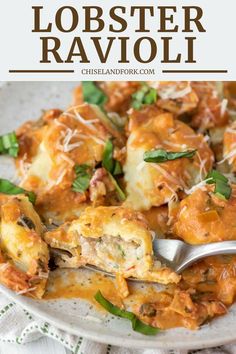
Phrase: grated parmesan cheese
pixel 171 92
pixel 180 146
pixel 66 145
pixel 167 175
pixel 67 159
pixel 223 106
pixel 230 156
pixel 21 292
pixel 4 266
pixel 197 186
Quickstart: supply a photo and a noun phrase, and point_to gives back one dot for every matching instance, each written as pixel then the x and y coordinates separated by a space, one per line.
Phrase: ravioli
pixel 115 239
pixel 61 142
pixel 24 254
pixel 155 184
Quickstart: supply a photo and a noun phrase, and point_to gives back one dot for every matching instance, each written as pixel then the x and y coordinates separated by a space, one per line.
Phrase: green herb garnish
pixel 137 325
pixel 113 168
pixel 108 162
pixel 222 187
pixel 160 155
pixel 117 169
pixel 83 177
pixel 93 94
pixel 146 95
pixel 9 144
pixel 119 191
pixel 7 187
pixel 107 158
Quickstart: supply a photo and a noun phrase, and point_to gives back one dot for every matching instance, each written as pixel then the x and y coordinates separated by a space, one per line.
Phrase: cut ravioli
pixel 24 254
pixel 155 184
pixel 115 239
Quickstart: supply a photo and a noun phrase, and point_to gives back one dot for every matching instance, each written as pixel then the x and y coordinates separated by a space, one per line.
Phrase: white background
pixel 21 49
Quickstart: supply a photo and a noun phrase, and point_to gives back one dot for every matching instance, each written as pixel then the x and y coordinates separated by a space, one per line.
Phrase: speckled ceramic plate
pixel 22 101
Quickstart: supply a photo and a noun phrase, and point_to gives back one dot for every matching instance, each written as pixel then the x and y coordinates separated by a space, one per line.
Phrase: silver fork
pixel 179 255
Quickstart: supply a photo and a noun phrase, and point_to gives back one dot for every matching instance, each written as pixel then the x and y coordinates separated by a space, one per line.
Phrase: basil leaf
pixel 81 168
pixel 93 94
pixel 137 325
pixel 82 180
pixel 9 144
pixel 113 167
pixel 222 189
pixel 107 159
pixel 108 162
pixel 214 176
pixel 117 169
pixel 150 97
pixel 146 95
pixel 141 327
pixel 7 187
pixel 161 155
pixel 119 191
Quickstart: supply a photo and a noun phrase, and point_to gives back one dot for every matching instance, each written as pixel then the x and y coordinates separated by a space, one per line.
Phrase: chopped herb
pixel 146 95
pixel 107 160
pixel 113 168
pixel 121 250
pixel 161 155
pixel 110 125
pixel 137 325
pixel 9 144
pixel 83 177
pixel 7 187
pixel 151 96
pixel 93 94
pixel 119 191
pixel 117 169
pixel 222 187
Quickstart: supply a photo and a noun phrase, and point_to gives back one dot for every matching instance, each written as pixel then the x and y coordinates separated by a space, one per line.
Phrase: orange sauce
pixel 81 284
pixel 210 280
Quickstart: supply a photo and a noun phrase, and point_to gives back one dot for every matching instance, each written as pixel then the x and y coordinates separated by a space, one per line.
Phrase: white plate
pixel 22 101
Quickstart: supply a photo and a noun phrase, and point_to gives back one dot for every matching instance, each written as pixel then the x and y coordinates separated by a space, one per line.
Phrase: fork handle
pixel 202 251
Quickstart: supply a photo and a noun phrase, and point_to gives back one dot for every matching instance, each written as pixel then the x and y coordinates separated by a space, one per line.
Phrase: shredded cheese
pixel 140 166
pixel 230 156
pixel 182 210
pixel 4 266
pixel 171 92
pixel 96 139
pixel 180 146
pixel 223 107
pixel 21 292
pixel 202 166
pixel 197 186
pixel 68 135
pixel 67 159
pixel 167 175
pixel 87 123
pixel 230 130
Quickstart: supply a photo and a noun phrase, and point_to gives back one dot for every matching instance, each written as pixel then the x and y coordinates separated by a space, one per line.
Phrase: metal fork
pixel 179 255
